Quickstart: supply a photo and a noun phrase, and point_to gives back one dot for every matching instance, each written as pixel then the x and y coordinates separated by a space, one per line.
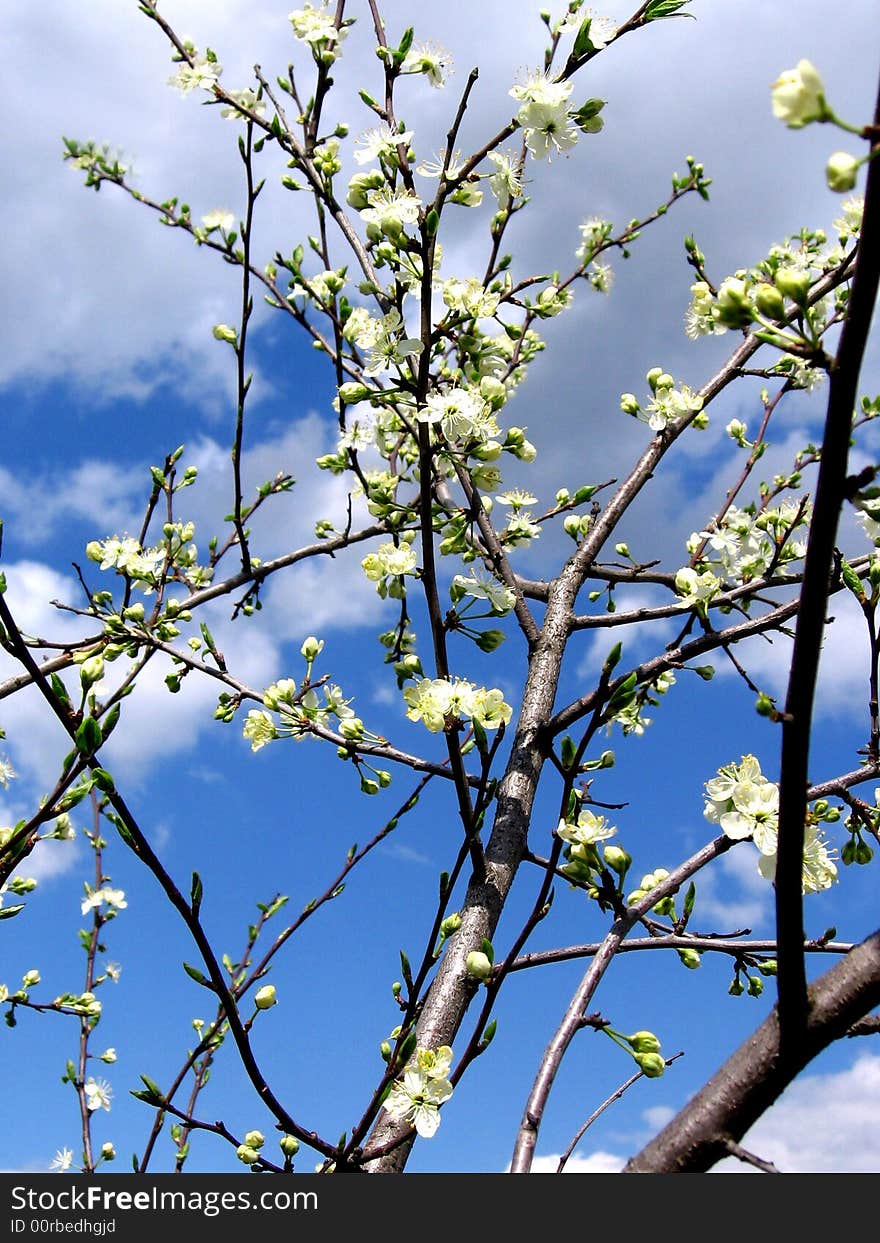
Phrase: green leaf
pixel 488 1035
pixel 582 43
pixel 658 9
pixel 59 690
pixel 689 899
pixel 568 751
pixel 110 721
pixel 405 968
pixel 405 45
pixel 486 947
pixel 88 737
pixel 7 912
pixel 103 780
pixel 196 893
pixel 198 976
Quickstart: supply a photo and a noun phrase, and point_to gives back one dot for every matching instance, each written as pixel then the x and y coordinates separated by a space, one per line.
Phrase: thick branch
pixel 755 1076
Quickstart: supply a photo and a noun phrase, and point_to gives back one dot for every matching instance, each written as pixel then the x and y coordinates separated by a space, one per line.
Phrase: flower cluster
pixel 418 1095
pixel 441 702
pixel 387 565
pixel 745 804
pixel 544 116
pixel 300 712
pixel 317 28
pixel 743 545
pixel 668 404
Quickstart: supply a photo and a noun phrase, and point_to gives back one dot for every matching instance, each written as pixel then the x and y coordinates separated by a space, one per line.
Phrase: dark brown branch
pixel 756 1074
pixel 797 724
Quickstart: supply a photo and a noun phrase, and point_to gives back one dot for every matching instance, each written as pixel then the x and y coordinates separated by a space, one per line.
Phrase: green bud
pixel 756 986
pixel 265 997
pixel 770 301
pixel 793 283
pixel 690 959
pixel 91 671
pixel 353 393
pixel 451 924
pixel 222 332
pixel 478 966
pixel 255 1139
pixel 841 171
pixel 643 1042
pixel 289 1145
pixel 651 1064
pixel 768 967
pixel 617 859
pixel 249 1156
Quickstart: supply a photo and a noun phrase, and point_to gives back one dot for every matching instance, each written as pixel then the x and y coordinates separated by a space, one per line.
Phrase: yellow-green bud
pixel 841 171
pixel 249 1156
pixel 643 1042
pixel 732 306
pixel 91 671
pixel 478 965
pixel 255 1139
pixel 311 648
pixel 617 859
pixel 265 997
pixel 629 403
pixel 653 376
pixel 289 1145
pixel 353 393
pixel 222 332
pixel 651 1064
pixel 451 924
pixel 690 959
pixel 30 978
pixel 108 1152
pixel 770 301
pixel 793 283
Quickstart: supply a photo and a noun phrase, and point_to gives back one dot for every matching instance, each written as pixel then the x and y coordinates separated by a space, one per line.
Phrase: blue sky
pixel 109 363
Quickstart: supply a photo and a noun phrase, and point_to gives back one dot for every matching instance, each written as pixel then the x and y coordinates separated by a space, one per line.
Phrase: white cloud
pixel 823 1124
pixel 599 1162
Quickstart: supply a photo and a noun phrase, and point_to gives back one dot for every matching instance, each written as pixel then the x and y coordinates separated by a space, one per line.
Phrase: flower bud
pixel 108 1152
pixel 841 171
pixel 478 965
pixel 30 978
pixel 91 671
pixel 571 525
pixel 222 332
pixel 651 1064
pixel 617 859
pixel 451 924
pixel 352 393
pixel 733 308
pixel 653 376
pixel 289 1145
pixel 265 997
pixel 793 283
pixel 690 959
pixel 643 1042
pixel 311 648
pixel 249 1156
pixel 770 301
pixel 629 404
pixel 255 1139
